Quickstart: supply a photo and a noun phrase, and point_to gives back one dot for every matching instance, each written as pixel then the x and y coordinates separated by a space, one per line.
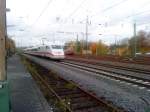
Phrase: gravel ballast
pixel 131 98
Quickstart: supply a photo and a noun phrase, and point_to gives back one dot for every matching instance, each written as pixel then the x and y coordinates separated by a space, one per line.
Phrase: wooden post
pixel 2 39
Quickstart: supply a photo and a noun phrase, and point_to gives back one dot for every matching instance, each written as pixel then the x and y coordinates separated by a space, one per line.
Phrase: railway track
pixel 70 96
pixel 144 71
pixel 144 60
pixel 135 81
pixel 115 71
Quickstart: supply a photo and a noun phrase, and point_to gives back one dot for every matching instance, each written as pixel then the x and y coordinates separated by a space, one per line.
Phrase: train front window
pixel 56 47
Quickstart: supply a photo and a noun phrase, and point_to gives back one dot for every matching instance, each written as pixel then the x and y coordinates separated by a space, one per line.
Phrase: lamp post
pixel 135 39
pixel 43 40
pixel 116 44
pixel 98 42
pixel 97 47
pixel 86 33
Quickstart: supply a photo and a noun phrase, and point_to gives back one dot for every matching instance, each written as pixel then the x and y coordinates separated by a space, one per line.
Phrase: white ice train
pixel 52 51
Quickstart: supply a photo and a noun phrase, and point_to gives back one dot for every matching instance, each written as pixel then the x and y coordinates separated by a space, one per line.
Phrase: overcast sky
pixel 62 20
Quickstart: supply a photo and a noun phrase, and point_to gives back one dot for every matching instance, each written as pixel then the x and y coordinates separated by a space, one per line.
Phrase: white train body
pixel 52 51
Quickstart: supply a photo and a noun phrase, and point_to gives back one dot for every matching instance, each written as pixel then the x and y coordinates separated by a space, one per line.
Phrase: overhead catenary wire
pixel 119 3
pixel 144 23
pixel 133 15
pixel 106 9
pixel 42 12
pixel 79 6
pixel 130 16
pixel 76 9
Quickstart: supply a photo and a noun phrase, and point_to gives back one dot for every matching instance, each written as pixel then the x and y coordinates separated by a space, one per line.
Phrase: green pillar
pixel 4 97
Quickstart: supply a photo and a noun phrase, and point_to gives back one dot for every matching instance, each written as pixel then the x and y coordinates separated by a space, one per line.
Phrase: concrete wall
pixel 2 39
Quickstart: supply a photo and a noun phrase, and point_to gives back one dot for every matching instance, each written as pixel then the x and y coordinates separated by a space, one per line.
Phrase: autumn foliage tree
pixel 127 47
pixel 99 48
pixel 141 41
pixel 93 48
pixel 102 49
pixel 10 46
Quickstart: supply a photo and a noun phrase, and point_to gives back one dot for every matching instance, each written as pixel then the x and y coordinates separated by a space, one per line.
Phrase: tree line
pixel 10 46
pixel 125 47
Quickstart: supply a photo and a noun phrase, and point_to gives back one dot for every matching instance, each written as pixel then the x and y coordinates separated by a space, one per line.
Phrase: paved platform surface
pixel 24 94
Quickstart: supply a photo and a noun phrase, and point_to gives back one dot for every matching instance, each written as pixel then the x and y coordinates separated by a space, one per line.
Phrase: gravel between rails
pixel 131 98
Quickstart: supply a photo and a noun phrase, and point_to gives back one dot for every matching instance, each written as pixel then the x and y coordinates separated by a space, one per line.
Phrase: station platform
pixel 25 96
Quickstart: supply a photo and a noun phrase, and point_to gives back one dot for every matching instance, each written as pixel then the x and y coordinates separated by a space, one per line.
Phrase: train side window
pixel 47 47
pixel 56 47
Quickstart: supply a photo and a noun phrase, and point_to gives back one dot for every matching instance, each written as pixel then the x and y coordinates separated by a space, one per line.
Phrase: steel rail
pixel 145 84
pixel 110 71
pixel 111 66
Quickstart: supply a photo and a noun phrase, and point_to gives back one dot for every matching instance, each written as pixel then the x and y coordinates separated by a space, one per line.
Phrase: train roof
pixel 45 44
pixel 54 43
pixel 29 48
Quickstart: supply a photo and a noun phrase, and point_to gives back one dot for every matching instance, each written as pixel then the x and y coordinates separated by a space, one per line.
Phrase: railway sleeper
pixel 65 90
pixel 67 93
pixel 73 96
pixel 79 99
pixel 83 105
pixel 76 100
pixel 56 80
pixel 55 83
pixel 92 109
pixel 50 78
